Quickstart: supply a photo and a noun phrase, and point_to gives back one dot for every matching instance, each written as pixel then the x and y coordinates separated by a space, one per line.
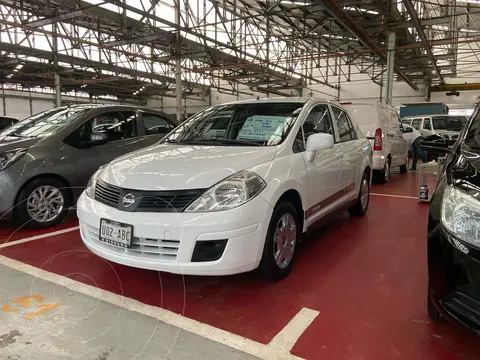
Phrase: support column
pixel 58 95
pixel 390 67
pixel 178 70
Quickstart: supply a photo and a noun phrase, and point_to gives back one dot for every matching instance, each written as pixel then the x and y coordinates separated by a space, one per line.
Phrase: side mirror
pixel 318 142
pixel 97 138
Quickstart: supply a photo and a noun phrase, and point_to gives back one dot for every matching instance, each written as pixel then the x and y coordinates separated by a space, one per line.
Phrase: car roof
pixel 277 100
pixel 430 115
pixel 103 106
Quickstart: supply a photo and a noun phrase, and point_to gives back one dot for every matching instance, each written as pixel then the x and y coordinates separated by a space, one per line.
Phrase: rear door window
pixel 345 127
pixel 156 124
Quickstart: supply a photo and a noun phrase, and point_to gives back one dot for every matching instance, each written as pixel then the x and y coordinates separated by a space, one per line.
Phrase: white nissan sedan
pixel 230 190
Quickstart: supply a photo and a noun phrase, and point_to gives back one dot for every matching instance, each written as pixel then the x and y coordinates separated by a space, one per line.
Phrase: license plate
pixel 115 233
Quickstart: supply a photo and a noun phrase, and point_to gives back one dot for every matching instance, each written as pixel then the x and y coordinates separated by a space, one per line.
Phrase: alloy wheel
pixel 45 204
pixel 364 193
pixel 387 171
pixel 285 239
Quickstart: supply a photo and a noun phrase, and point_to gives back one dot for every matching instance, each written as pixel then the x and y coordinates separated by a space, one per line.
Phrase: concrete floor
pixel 77 326
pixel 357 292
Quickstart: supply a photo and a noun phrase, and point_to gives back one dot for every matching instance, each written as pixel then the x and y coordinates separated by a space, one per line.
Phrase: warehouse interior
pixel 358 289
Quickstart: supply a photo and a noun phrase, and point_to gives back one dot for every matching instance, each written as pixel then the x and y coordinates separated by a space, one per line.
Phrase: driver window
pixel 318 121
pixel 427 124
pixel 118 125
pixel 416 123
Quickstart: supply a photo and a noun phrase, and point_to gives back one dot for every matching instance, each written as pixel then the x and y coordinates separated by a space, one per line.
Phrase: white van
pixel 381 124
pixel 448 126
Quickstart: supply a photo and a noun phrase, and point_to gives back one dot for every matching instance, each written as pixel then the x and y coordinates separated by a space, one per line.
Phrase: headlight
pixel 229 193
pixel 90 190
pixel 8 158
pixel 461 215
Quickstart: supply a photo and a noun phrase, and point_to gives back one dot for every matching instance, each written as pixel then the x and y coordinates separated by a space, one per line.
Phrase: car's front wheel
pixel 42 203
pixel 281 242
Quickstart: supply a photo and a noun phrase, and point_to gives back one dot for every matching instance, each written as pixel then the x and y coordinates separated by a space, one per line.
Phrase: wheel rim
pixel 364 193
pixel 45 204
pixel 387 171
pixel 285 239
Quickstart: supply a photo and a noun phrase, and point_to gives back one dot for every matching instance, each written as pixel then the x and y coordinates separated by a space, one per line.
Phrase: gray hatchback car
pixel 46 160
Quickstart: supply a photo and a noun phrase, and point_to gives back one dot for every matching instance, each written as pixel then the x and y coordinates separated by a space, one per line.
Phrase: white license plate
pixel 116 233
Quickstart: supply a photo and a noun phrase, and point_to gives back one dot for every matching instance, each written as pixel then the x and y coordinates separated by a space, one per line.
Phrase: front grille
pixel 107 194
pixel 174 201
pixel 145 201
pixel 145 248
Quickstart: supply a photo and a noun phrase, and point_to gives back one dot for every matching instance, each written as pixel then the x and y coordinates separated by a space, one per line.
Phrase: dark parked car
pixel 46 160
pixel 454 233
pixel 6 121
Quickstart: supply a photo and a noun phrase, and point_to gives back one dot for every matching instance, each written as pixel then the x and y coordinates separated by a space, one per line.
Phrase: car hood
pixel 168 167
pixel 10 143
pixel 448 133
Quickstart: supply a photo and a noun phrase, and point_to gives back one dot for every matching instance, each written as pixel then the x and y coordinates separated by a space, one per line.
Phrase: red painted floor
pixel 9 231
pixel 366 276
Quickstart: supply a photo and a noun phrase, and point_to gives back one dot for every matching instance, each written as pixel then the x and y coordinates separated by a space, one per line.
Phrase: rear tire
pixel 281 242
pixel 384 175
pixel 361 206
pixel 403 169
pixel 42 203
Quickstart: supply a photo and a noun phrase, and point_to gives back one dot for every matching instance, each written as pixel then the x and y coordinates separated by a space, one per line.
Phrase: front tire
pixel 281 242
pixel 42 203
pixel 361 206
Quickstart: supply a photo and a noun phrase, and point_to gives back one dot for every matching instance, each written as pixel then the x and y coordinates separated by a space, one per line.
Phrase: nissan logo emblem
pixel 128 200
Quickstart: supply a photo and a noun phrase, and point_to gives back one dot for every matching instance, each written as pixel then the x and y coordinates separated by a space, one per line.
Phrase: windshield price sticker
pixel 261 127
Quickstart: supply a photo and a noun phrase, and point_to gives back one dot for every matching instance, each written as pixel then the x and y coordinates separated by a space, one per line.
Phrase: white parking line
pixel 395 196
pixel 288 337
pixel 38 237
pixel 273 351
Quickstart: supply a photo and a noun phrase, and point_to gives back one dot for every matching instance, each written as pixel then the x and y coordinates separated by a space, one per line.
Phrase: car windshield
pixel 450 123
pixel 44 124
pixel 247 124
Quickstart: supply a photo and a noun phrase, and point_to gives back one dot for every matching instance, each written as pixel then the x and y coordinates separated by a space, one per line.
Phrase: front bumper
pixel 454 278
pixel 166 241
pixel 9 187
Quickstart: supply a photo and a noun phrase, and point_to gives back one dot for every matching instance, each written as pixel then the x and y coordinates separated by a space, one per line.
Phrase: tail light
pixel 377 145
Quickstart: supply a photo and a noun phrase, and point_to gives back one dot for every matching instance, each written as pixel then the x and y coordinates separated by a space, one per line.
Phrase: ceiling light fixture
pixel 296 2
pixel 361 10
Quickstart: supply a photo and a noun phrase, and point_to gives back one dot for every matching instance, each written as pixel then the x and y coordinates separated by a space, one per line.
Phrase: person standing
pixel 413 139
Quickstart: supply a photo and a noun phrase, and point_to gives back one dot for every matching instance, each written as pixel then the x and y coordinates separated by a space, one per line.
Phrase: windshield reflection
pixel 44 124
pixel 246 124
pixel 450 123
